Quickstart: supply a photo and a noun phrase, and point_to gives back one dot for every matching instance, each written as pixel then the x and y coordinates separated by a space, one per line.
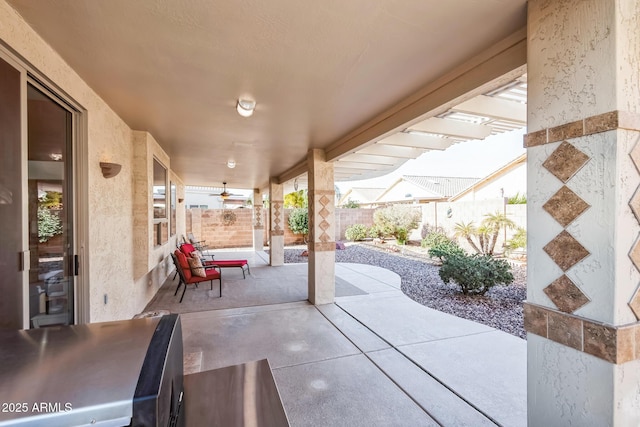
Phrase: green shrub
pixel 434 238
pixel 351 204
pixel 401 235
pixel 394 218
pixel 299 221
pixel 49 224
pixel 475 274
pixel 518 240
pixel 356 232
pixel 379 232
pixel 445 249
pixel 518 199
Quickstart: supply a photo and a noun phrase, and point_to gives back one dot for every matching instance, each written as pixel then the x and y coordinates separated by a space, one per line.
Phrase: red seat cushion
pixel 230 262
pixel 184 264
pixel 187 248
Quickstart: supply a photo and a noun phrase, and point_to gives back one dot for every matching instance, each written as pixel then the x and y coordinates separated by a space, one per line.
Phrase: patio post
pixel 276 226
pixel 258 226
pixel 583 208
pixel 322 245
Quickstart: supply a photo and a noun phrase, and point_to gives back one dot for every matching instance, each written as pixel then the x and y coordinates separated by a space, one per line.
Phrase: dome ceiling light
pixel 245 107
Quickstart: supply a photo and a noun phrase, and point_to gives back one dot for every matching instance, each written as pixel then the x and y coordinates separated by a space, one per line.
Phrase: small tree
pixel 296 199
pixel 299 222
pixel 475 274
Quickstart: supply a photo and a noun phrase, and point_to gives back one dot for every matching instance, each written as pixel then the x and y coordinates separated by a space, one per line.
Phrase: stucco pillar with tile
pixel 276 226
pixel 322 245
pixel 583 303
pixel 258 226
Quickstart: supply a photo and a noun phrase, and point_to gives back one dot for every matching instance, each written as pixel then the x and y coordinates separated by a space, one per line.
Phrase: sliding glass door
pixel 51 220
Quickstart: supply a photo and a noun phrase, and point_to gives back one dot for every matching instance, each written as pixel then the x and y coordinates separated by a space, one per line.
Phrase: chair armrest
pixel 215 267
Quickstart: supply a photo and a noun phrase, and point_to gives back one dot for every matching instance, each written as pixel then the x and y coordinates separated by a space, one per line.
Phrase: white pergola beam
pixel 455 128
pixel 369 158
pixel 495 108
pixel 393 151
pixel 424 142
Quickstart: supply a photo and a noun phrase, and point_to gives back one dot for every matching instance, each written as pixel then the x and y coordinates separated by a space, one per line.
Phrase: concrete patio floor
pixel 373 358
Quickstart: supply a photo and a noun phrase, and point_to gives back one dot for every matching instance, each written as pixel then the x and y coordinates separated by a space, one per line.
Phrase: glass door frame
pixel 79 190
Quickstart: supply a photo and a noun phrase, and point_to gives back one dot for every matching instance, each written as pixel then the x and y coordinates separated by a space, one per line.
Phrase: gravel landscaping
pixel 500 307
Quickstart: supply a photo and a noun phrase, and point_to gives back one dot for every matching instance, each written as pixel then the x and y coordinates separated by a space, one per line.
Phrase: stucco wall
pixel 108 243
pixel 438 214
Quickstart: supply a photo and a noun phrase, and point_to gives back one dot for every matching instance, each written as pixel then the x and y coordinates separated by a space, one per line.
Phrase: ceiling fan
pixel 225 194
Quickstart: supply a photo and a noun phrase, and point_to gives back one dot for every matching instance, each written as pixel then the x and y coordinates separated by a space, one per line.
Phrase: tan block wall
pixel 207 224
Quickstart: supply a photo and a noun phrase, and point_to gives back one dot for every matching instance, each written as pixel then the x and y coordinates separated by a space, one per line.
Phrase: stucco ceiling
pixel 318 70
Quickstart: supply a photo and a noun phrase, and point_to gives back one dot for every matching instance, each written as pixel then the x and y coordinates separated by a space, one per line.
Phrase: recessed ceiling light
pixel 245 107
pixel 231 164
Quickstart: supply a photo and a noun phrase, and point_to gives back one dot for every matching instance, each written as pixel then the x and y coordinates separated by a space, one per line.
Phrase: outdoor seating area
pixel 386 355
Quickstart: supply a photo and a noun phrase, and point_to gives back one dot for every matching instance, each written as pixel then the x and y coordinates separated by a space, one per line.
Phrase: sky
pixel 475 159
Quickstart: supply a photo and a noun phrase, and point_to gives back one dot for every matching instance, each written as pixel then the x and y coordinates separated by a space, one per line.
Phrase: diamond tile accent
pixel 635 156
pixel 565 161
pixel 565 206
pixel 565 250
pixel 634 203
pixel 324 200
pixel 324 225
pixel 635 303
pixel 635 254
pixel 324 213
pixel 566 295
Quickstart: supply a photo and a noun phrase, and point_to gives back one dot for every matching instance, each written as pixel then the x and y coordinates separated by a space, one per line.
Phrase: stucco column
pixel 583 303
pixel 322 245
pixel 276 227
pixel 258 226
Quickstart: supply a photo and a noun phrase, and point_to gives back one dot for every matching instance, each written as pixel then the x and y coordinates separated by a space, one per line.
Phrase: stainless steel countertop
pixel 243 395
pixel 72 375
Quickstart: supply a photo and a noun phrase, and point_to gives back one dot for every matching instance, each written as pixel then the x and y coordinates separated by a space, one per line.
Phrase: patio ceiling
pixel 373 84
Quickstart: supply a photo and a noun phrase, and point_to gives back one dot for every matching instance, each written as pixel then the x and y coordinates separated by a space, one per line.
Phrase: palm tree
pixel 466 231
pixel 494 223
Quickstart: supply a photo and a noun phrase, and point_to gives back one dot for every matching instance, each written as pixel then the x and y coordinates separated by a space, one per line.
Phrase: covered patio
pixel 373 357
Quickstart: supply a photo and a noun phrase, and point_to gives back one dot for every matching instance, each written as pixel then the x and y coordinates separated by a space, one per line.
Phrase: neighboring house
pixel 424 189
pixel 507 181
pixel 366 197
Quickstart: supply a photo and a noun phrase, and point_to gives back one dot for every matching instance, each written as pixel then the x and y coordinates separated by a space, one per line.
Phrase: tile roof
pixel 445 186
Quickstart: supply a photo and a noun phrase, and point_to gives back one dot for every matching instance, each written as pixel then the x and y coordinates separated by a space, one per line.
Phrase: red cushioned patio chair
pixel 213 272
pixel 243 264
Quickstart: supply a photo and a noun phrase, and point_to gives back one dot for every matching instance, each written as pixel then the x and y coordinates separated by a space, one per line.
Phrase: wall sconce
pixel 180 200
pixel 109 170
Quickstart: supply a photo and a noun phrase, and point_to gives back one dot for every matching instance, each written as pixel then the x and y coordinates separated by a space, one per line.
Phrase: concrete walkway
pixel 373 358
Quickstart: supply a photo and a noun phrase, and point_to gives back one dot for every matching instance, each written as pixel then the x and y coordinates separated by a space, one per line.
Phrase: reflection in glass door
pixel 51 240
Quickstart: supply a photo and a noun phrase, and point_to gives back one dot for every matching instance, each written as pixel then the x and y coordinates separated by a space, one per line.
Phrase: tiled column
pixel 258 226
pixel 583 212
pixel 276 228
pixel 322 245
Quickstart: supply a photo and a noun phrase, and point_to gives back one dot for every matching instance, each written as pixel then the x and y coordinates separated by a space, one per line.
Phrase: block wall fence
pixel 236 231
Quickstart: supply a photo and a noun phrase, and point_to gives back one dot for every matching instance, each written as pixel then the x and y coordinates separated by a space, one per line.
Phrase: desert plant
pixel 445 249
pixel 434 238
pixel 467 231
pixel 379 232
pixel 396 217
pixel 518 240
pixel 518 199
pixel 494 223
pixel 428 229
pixel 401 235
pixel 356 232
pixel 299 221
pixel 475 274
